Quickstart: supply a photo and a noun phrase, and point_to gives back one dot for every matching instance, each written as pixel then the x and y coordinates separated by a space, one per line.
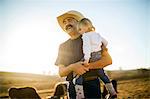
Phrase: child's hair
pixel 86 22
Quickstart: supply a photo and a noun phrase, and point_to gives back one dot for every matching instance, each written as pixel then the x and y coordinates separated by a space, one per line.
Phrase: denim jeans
pixel 91 89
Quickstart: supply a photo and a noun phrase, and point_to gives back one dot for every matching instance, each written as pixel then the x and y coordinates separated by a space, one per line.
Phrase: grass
pixel 134 88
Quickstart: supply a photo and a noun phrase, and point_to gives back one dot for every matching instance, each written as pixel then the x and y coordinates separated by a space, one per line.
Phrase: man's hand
pixel 78 68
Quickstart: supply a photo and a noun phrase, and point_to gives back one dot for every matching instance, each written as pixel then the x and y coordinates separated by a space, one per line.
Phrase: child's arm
pixel 86 48
pixel 104 41
pixel 86 62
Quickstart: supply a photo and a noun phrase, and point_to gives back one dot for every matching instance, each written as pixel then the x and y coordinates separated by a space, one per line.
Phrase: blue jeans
pixel 103 76
pixel 71 90
pixel 95 56
pixel 91 89
pixel 99 73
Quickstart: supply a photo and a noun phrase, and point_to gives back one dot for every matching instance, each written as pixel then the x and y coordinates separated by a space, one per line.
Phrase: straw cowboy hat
pixel 74 14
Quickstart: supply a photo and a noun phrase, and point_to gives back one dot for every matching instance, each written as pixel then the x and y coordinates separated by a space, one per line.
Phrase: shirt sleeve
pixel 104 41
pixel 86 47
pixel 59 59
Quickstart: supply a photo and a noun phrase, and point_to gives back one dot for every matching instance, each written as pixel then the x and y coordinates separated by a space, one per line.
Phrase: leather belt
pixel 90 78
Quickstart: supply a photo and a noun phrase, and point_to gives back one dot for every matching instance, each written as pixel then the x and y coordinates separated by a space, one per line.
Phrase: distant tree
pixel 143 71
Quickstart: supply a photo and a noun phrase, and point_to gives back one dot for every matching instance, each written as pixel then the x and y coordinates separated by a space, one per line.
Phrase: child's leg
pixel 103 76
pixel 107 82
pixel 111 89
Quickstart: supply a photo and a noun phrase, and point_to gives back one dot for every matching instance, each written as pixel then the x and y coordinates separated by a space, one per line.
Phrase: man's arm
pixel 103 62
pixel 78 68
pixel 64 71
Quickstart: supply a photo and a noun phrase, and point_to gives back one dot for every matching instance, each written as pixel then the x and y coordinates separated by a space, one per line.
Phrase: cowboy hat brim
pixel 72 14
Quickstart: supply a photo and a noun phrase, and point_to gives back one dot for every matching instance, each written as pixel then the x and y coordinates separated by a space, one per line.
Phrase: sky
pixel 30 35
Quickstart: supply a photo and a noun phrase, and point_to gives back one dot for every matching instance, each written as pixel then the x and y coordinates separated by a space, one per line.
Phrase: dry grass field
pixel 133 84
pixel 41 83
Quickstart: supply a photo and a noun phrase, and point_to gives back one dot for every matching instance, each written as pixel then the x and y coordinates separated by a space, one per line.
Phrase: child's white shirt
pixel 92 42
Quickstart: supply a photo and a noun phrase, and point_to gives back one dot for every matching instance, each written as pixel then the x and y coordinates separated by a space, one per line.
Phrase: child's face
pixel 83 29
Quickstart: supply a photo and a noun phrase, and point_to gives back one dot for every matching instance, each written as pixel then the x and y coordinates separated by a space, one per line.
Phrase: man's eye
pixel 64 22
pixel 69 20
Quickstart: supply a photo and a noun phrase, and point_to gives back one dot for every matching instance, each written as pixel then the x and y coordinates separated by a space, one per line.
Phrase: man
pixel 70 53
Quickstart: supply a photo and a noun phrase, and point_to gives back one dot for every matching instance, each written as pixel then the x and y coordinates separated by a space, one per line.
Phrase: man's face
pixel 70 25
